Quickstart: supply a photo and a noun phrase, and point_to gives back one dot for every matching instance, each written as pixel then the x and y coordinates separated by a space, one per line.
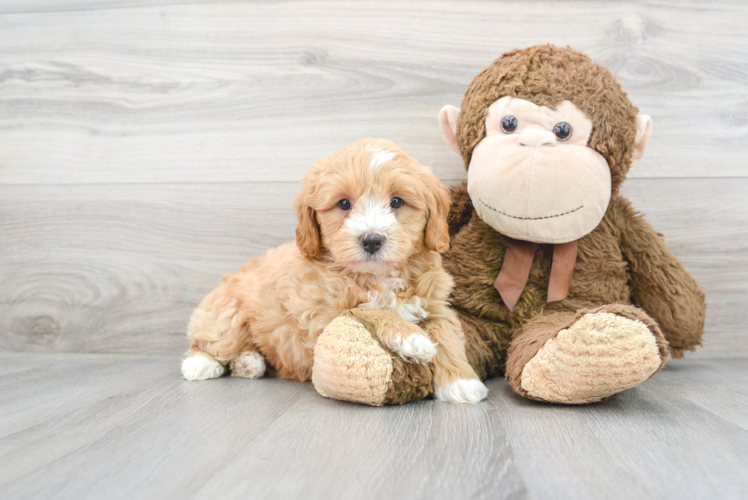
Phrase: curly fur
pixel 279 303
pixel 542 75
pixel 623 266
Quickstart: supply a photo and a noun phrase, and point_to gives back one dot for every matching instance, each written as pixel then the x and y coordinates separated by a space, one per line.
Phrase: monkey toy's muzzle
pixel 530 188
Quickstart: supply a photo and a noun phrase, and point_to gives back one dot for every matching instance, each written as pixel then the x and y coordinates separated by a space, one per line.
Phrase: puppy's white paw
pixel 200 367
pixel 248 364
pixel 416 348
pixel 462 391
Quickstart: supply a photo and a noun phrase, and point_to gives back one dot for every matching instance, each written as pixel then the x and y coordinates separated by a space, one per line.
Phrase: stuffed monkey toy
pixel 559 284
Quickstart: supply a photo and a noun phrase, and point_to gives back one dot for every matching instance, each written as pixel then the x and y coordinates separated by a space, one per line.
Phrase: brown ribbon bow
pixel 516 270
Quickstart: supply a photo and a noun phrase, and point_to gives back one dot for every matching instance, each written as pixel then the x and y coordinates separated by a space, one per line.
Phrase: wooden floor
pixel 127 426
pixel 149 146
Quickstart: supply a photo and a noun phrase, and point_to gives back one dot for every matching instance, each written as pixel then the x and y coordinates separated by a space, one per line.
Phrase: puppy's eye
pixel 344 204
pixel 396 202
pixel 562 131
pixel 509 124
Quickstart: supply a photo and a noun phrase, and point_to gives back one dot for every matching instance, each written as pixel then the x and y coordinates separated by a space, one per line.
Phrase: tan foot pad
pixel 350 365
pixel 600 355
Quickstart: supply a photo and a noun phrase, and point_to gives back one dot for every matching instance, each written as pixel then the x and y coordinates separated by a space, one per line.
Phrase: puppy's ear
pixel 437 230
pixel 308 237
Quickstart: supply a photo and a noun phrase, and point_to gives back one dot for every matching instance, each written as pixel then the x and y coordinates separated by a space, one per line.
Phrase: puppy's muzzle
pixel 371 242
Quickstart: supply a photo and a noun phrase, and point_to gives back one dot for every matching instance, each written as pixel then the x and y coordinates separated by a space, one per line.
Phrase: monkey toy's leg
pixel 585 357
pixel 360 357
pixel 351 363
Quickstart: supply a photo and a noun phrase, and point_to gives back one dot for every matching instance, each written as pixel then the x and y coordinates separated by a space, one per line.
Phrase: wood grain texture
pixel 257 91
pixel 116 426
pixel 31 6
pixel 130 427
pixel 147 147
pixel 678 435
pixel 118 268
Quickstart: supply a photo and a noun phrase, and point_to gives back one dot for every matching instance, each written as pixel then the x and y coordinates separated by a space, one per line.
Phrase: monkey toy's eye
pixel 509 124
pixel 344 204
pixel 562 131
pixel 396 203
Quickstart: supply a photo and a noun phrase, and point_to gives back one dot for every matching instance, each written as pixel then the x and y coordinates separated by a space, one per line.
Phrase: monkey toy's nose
pixel 534 138
pixel 371 242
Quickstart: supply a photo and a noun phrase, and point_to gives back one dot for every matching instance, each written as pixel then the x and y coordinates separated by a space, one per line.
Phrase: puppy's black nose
pixel 371 242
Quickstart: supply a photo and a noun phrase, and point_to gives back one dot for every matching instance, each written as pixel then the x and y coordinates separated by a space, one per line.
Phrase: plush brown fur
pixel 533 336
pixel 623 261
pixel 542 75
pixel 623 270
pixel 409 381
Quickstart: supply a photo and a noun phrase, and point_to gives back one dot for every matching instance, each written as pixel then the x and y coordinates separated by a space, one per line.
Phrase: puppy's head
pixel 371 206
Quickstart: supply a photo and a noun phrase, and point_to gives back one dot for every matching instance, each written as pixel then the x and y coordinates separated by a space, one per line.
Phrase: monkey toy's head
pixel 547 135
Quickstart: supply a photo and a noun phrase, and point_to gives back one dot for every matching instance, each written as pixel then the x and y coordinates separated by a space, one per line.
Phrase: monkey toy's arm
pixel 460 208
pixel 659 282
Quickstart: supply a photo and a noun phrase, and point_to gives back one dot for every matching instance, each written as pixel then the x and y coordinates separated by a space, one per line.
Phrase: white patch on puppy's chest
pixel 410 309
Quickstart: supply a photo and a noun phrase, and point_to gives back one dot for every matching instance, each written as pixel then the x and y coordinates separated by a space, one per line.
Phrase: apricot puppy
pixel 371 224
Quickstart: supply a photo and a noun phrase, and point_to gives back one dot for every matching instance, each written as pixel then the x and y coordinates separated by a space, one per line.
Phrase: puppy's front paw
pixel 462 391
pixel 201 367
pixel 416 348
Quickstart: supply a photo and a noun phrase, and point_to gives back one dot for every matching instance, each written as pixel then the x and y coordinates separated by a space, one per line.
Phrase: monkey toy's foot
pixel 585 358
pixel 351 364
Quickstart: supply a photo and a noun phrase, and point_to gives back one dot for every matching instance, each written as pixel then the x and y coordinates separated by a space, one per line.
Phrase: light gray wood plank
pixel 117 426
pixel 704 221
pixel 141 432
pixel 165 121
pixel 29 6
pixel 128 423
pixel 718 387
pixel 25 6
pixel 420 451
pixel 118 268
pixel 24 376
pixel 647 443
pixel 257 91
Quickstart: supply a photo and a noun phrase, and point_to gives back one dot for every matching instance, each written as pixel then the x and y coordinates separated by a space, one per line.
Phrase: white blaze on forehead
pixel 370 217
pixel 380 156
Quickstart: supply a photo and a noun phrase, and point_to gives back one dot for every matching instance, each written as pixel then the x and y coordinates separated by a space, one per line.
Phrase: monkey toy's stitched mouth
pixel 531 218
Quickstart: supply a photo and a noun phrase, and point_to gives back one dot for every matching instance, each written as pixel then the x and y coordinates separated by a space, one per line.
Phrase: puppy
pixel 371 224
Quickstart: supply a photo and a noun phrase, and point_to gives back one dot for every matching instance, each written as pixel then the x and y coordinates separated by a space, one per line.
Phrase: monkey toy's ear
pixel 448 117
pixel 643 131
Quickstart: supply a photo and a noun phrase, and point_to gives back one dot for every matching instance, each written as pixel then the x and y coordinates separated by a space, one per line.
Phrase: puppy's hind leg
pixel 218 333
pixel 249 364
pixel 201 366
